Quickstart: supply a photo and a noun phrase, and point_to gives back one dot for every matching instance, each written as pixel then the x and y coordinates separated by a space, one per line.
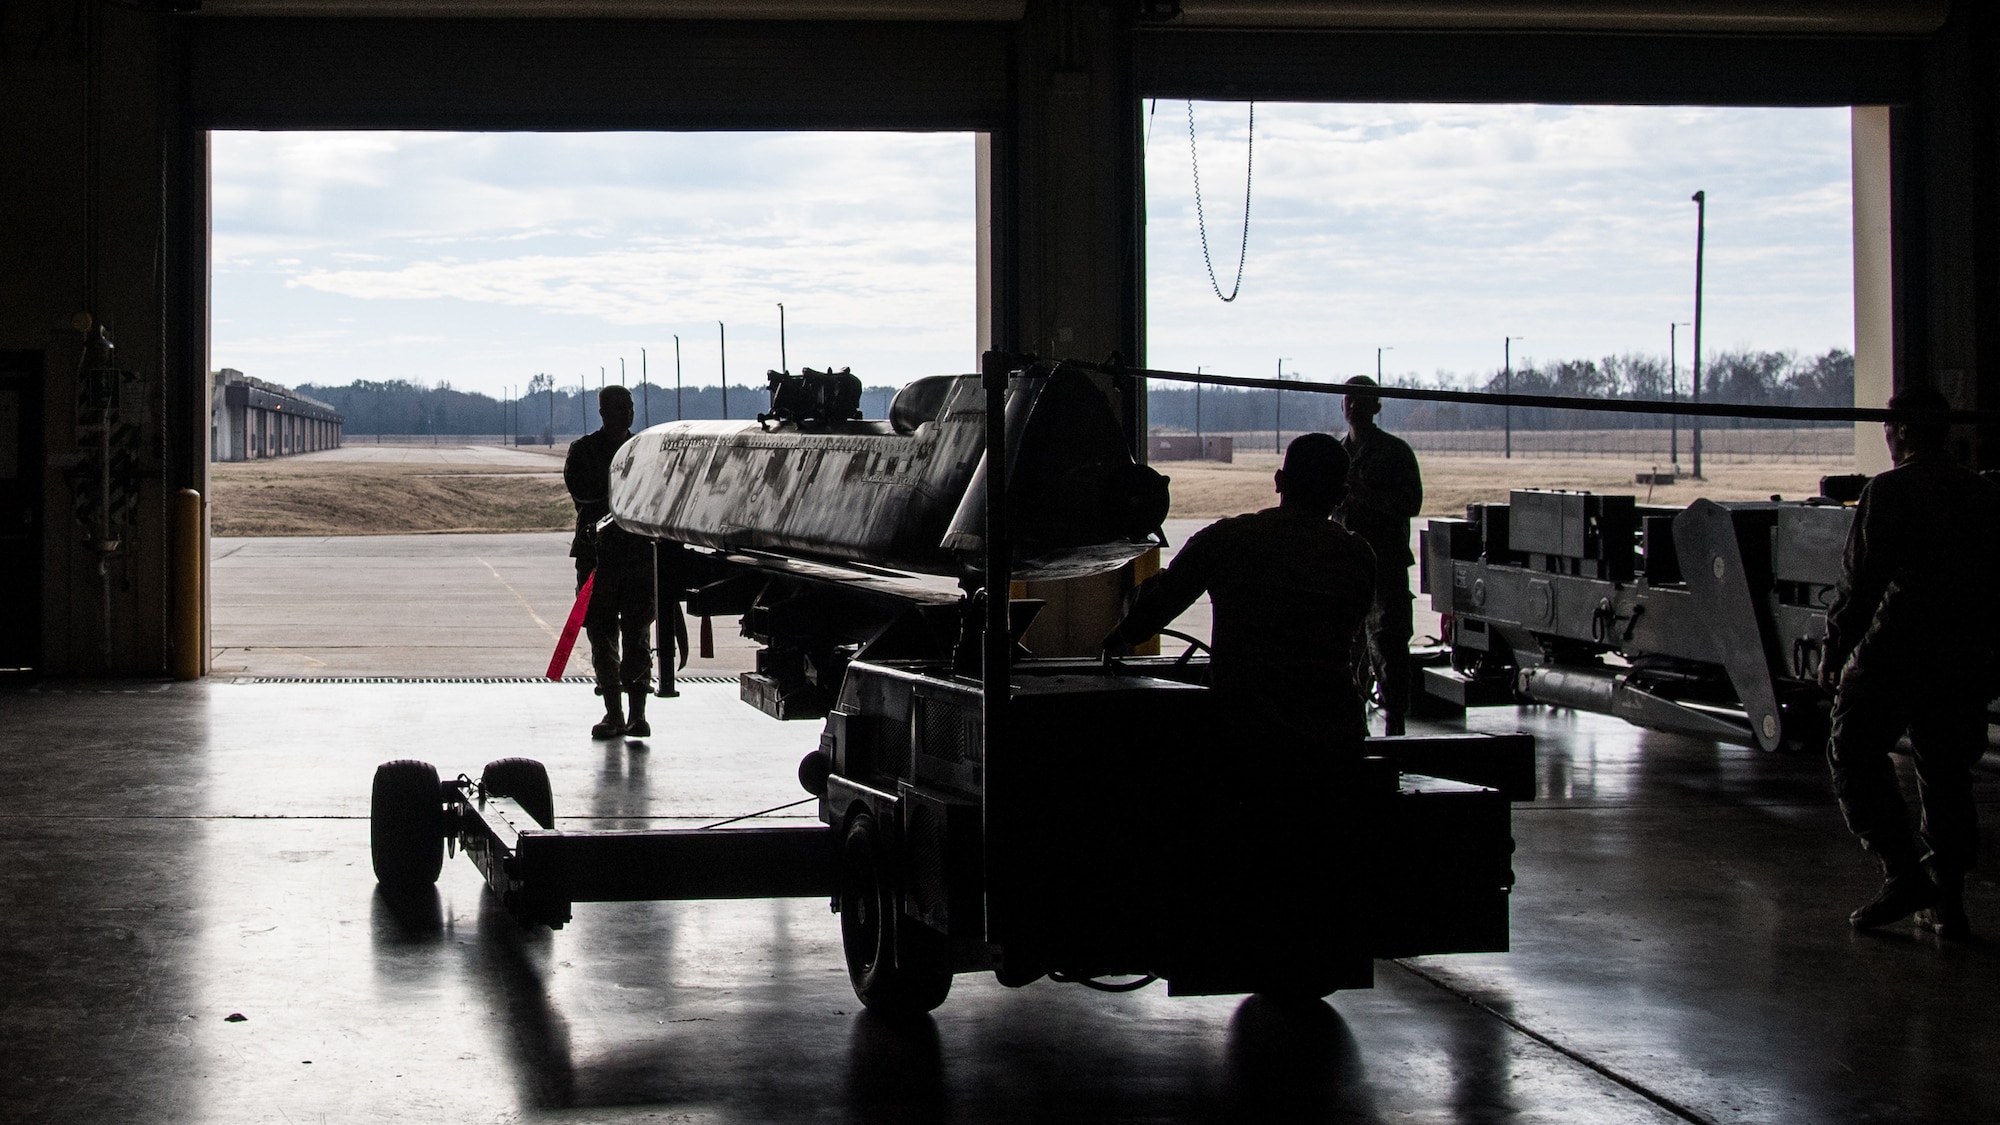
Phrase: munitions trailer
pixel 1707 620
pixel 982 810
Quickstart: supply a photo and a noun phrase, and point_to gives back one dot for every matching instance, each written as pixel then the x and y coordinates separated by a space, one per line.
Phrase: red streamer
pixel 560 661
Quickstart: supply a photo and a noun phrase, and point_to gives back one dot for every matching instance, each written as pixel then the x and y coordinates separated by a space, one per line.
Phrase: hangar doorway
pixel 458 299
pixel 1537 248
pixel 1524 247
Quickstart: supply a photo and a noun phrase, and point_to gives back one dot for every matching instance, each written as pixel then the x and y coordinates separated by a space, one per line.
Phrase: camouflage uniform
pixel 1384 491
pixel 1909 657
pixel 587 475
pixel 1289 594
pixel 621 600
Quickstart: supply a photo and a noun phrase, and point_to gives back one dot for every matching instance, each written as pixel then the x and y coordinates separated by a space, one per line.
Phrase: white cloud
pixel 1441 229
pixel 484 258
pixel 657 281
pixel 552 251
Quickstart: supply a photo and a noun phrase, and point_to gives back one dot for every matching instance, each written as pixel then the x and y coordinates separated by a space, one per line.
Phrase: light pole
pixel 783 364
pixel 722 340
pixel 1278 411
pixel 643 391
pixel 1378 372
pixel 1201 447
pixel 1700 237
pixel 1674 393
pixel 1507 412
pixel 677 377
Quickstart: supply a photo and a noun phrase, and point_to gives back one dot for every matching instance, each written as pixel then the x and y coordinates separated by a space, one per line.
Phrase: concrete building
pixel 1190 447
pixel 252 419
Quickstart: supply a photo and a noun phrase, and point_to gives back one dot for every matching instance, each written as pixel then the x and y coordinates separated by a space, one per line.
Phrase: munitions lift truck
pixel 1708 620
pixel 982 810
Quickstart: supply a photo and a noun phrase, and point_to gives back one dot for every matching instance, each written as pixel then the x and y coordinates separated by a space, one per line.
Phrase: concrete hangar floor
pixel 192 934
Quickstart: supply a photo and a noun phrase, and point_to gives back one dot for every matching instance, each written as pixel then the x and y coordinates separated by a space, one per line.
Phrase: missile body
pixel 905 493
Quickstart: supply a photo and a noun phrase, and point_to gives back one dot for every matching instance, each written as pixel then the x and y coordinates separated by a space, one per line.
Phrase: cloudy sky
pixel 1435 231
pixel 1438 231
pixel 484 259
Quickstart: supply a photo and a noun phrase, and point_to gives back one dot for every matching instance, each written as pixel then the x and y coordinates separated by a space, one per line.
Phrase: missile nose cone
pixel 1144 500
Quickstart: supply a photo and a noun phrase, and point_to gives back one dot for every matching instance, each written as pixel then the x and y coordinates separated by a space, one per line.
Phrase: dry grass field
pixel 314 495
pixel 474 490
pixel 1206 490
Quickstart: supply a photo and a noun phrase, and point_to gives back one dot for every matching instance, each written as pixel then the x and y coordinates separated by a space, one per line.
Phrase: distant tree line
pixel 1779 378
pixel 398 406
pixel 1776 378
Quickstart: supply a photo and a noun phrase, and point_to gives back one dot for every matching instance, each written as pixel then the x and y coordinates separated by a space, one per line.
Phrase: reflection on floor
pixel 192 933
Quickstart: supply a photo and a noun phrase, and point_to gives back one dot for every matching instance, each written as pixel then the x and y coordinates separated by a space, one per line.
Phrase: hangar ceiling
pixel 1787 17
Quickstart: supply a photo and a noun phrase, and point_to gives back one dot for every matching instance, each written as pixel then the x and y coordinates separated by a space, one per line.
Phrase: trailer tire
pixel 526 781
pixel 405 825
pixel 897 967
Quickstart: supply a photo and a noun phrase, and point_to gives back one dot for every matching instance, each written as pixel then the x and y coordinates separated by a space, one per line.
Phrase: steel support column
pixel 1062 265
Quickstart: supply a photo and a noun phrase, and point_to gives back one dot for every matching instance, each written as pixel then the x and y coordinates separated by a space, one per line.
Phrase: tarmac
pixel 430 606
pixel 450 606
pixel 406 606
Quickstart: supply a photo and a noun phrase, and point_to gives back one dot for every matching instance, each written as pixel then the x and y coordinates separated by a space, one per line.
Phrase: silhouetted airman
pixel 621 599
pixel 1385 491
pixel 1901 656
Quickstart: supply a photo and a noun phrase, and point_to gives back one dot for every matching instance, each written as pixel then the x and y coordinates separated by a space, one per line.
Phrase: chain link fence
pixel 536 439
pixel 1726 444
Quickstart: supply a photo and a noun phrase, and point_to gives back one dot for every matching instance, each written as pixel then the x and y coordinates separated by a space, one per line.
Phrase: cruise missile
pixel 904 493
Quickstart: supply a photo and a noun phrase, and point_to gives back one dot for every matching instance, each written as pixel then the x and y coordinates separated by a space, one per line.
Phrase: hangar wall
pixel 92 166
pixel 104 110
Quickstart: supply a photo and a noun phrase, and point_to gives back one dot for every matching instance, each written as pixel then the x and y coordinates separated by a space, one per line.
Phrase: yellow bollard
pixel 1144 567
pixel 190 661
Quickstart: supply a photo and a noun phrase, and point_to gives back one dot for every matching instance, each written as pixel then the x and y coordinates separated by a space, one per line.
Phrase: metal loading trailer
pixel 1081 860
pixel 1706 620
pixel 983 810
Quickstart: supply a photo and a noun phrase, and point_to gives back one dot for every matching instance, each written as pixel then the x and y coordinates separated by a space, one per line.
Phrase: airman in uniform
pixel 1902 656
pixel 621 609
pixel 1385 491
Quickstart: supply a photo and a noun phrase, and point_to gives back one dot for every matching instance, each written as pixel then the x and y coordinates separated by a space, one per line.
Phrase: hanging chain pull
pixel 1201 224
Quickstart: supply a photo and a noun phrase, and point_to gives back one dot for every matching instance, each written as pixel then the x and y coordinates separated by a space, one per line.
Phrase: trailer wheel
pixel 405 825
pixel 526 781
pixel 872 928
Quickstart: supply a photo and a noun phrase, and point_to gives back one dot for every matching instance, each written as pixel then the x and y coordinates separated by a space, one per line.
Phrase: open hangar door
pixel 1919 243
pixel 1057 222
pixel 112 146
pixel 562 101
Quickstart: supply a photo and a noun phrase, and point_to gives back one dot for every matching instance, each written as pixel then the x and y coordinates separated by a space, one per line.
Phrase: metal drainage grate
pixel 584 680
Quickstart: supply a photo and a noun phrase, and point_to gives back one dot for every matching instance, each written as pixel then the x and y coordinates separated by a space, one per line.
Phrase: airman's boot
pixel 1946 917
pixel 636 726
pixel 614 718
pixel 1906 889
